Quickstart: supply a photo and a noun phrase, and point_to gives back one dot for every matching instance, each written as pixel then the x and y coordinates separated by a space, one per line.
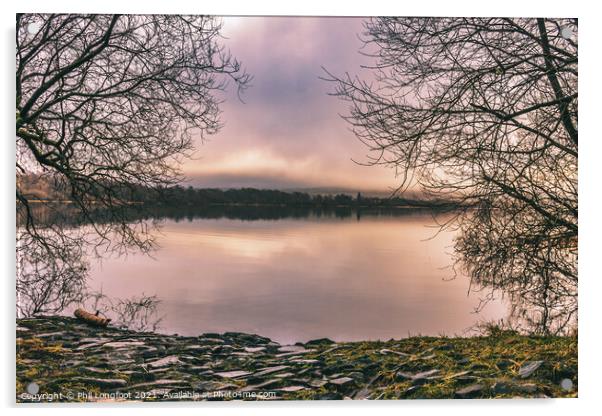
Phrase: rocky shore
pixel 61 359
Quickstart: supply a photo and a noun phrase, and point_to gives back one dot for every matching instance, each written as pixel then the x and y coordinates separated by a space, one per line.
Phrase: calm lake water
pixel 298 279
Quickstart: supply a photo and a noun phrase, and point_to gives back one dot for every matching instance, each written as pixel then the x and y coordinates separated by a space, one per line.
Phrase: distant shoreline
pixel 40 190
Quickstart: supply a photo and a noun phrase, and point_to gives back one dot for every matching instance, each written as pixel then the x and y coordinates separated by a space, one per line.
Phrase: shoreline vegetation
pixel 62 359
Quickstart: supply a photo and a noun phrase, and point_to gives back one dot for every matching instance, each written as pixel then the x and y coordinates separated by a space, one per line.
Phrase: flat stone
pixel 470 391
pixel 262 386
pixel 150 352
pixel 233 374
pixel 36 362
pixel 119 361
pixel 51 334
pixel 293 348
pixel 212 340
pixel 196 348
pixel 292 388
pixel 330 396
pixel 444 347
pixel 504 387
pixel 341 381
pixel 320 341
pixel 305 361
pixel 318 383
pixel 388 351
pixel 529 368
pixel 102 382
pixel 123 344
pixel 158 392
pixel 94 340
pixel 165 361
pixel 88 345
pixel 466 379
pixel 426 374
pixel 412 389
pixel 254 349
pixel 293 353
pixel 72 363
pixel 160 382
pixel 247 338
pixel 213 386
pixel 527 388
pixel 501 387
pixel 419 377
pixel 97 370
pixel 362 394
pixel 163 381
pixel 204 367
pixel 222 349
pixel 356 375
pixel 456 375
pixel 270 370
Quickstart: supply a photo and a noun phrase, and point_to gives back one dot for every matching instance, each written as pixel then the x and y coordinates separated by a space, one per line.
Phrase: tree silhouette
pixel 105 104
pixel 484 111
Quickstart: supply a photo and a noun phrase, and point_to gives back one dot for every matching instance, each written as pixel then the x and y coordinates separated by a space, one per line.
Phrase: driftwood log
pixel 90 318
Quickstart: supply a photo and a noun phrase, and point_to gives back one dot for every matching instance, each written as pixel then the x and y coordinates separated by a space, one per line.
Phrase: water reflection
pixel 67 216
pixel 301 278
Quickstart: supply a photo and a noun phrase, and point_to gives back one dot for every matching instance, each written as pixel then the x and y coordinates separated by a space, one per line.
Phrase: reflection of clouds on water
pixel 232 245
pixel 300 279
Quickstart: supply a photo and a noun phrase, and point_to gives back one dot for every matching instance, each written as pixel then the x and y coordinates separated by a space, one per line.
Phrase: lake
pixel 295 279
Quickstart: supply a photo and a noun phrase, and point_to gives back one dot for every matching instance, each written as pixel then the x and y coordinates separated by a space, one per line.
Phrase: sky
pixel 287 132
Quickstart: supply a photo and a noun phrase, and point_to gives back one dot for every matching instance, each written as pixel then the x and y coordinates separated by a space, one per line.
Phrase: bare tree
pixel 484 111
pixel 137 313
pixel 52 275
pixel 106 104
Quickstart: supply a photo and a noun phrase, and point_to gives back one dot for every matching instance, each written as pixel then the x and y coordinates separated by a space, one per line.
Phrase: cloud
pixel 265 168
pixel 288 128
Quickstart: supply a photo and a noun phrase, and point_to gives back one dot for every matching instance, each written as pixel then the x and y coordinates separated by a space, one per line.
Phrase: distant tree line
pixel 41 189
pixel 190 196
